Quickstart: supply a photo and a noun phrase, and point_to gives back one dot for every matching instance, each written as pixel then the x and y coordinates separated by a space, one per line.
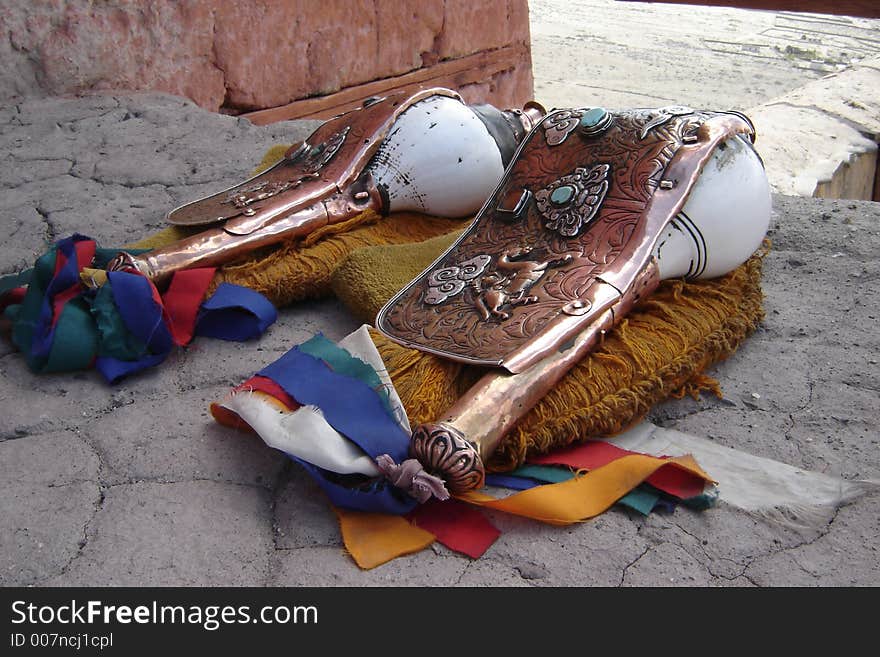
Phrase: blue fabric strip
pixel 374 496
pixel 235 313
pixel 511 482
pixel 356 411
pixel 349 406
pixel 133 296
pixel 66 277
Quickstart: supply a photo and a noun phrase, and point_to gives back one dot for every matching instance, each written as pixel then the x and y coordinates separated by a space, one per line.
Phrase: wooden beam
pixel 453 73
pixel 860 8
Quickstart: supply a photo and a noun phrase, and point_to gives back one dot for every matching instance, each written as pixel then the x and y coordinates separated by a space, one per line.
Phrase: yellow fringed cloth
pixel 661 349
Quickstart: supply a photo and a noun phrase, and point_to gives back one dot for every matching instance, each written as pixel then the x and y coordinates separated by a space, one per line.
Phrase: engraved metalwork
pixel 583 192
pixel 663 115
pixel 320 155
pixel 444 452
pixel 243 197
pixel 312 186
pixel 449 281
pixel 559 125
pixel 595 121
pixel 597 263
pixel 508 285
pixel 610 271
pixel 520 201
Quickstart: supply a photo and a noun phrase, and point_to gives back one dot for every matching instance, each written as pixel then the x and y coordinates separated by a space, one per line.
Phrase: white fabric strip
pixel 360 345
pixel 304 433
pixel 752 483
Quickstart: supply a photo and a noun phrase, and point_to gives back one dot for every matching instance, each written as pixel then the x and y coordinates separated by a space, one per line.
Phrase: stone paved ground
pixel 134 484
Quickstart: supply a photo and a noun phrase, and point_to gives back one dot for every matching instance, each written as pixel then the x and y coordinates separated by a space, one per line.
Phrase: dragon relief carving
pixel 495 290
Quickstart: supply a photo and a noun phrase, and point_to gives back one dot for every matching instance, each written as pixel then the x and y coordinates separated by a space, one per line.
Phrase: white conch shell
pixel 439 158
pixel 724 219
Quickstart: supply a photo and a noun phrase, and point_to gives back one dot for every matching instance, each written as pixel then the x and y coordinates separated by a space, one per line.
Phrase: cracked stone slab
pixel 829 559
pixel 50 493
pixel 303 515
pixel 174 438
pixel 113 166
pixel 666 564
pixel 188 533
pixel 330 566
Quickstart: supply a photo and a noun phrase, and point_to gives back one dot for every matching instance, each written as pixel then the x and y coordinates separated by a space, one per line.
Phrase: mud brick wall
pixel 243 57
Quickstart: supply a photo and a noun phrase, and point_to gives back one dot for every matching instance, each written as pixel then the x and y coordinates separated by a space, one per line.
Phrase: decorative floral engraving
pixel 449 281
pixel 559 125
pixel 664 114
pixel 486 318
pixel 244 196
pixel 570 203
pixel 444 452
pixel 502 288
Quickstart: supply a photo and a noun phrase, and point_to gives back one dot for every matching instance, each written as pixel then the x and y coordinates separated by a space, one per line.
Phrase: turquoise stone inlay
pixel 562 195
pixel 593 117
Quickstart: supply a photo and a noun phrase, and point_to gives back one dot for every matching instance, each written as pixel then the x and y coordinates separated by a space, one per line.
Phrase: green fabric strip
pixel 640 499
pixel 548 473
pixel 75 343
pixel 25 316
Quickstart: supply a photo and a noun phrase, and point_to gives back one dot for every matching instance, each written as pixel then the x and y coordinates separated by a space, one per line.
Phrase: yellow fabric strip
pixel 584 496
pixel 375 538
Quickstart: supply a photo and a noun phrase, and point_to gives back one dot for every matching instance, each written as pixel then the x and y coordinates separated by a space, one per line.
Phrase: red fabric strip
pixel 85 253
pixel 182 301
pixel 12 297
pixel 268 386
pixel 596 453
pixel 458 526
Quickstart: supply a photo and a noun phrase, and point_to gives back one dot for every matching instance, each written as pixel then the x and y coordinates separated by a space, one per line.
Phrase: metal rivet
pixel 577 307
pixel 667 184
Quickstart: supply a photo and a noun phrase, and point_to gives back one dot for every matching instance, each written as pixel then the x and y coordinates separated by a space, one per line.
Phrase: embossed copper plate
pixel 566 233
pixel 330 159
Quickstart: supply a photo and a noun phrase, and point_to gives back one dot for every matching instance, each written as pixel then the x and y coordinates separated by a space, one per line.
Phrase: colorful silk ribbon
pixel 125 325
pixel 321 374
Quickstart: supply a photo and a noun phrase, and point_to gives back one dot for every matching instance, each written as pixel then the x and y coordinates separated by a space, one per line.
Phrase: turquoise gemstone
pixel 562 195
pixel 593 117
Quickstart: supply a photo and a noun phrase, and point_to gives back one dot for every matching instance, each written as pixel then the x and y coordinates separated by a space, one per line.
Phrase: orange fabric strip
pixel 584 496
pixel 375 538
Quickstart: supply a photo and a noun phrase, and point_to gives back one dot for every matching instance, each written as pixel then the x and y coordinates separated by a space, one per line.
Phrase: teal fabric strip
pixel 75 342
pixel 547 473
pixel 640 499
pixel 26 315
pixel 343 363
pixel 115 339
pixel 12 281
